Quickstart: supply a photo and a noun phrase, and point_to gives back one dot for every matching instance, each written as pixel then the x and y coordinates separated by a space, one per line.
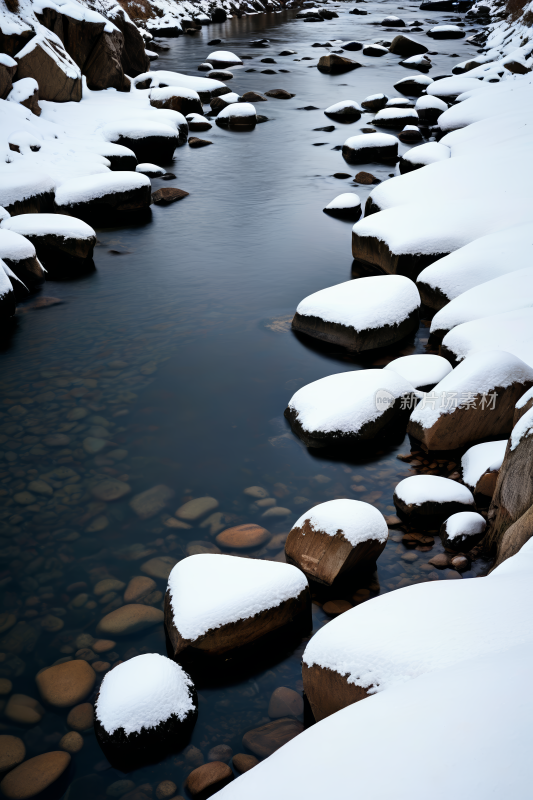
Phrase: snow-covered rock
pixel 148 138
pixel 393 22
pixel 345 206
pixel 463 531
pixel 152 170
pixel 59 75
pixel 220 59
pixel 336 537
pixel 361 314
pixel 26 192
pixel 413 86
pixel 511 331
pixel 369 147
pixel 222 102
pixel 375 50
pixel 344 111
pixel 216 604
pixel 394 117
pixel 349 408
pixel 427 153
pixel 146 709
pixel 60 241
pixel 450 88
pixel 237 116
pixel 481 464
pixel 427 500
pixel 207 88
pixel 523 405
pixel 109 193
pixel 474 401
pixel 198 123
pixel 422 371
pixel 19 254
pixel 8 304
pixel 410 135
pixel 446 32
pixel 26 92
pixel 177 98
pixel 429 109
pixel 420 62
pixel 374 102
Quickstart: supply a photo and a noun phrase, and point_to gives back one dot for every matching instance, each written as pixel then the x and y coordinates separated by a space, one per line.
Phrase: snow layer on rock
pixel 422 80
pixel 338 108
pixel 482 458
pixel 508 292
pixel 485 101
pixel 479 374
pixel 5 283
pixel 358 522
pixel 427 153
pixel 371 97
pixel 165 77
pixel 194 117
pixel 223 55
pixel 391 114
pixel 426 101
pixel 366 745
pixel 365 303
pixel 142 693
pixel 149 169
pixel 423 369
pixel 346 401
pixel 231 97
pixel 207 590
pixel 418 489
pixel 22 90
pixel 522 429
pixel 4 214
pixel 346 200
pixel 238 110
pixel 452 87
pixel 419 59
pixel 137 129
pixel 52 45
pixel 7 61
pixel 14 246
pixel 365 140
pixel 465 523
pixel 512 331
pixel 83 190
pixel 166 92
pixel 525 398
pixel 41 224
pixel 446 28
pixel 22 185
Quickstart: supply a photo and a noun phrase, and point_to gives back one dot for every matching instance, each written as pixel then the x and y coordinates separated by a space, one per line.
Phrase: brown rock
pixel 511 540
pixel 12 752
pixel 103 68
pixel 405 46
pixel 486 485
pixel 50 64
pixel 138 588
pixel 149 503
pixel 221 752
pixel 7 74
pixel 71 742
pixel 243 536
pixel 279 94
pixel 35 775
pixel 133 57
pixel 129 619
pixel 24 710
pixel 441 561
pixel 81 717
pixel 254 97
pixel 335 607
pixel 209 778
pixel 460 563
pixel 103 645
pixel 159 567
pixel 266 739
pixel 516 67
pixel 366 178
pixel 328 691
pixel 195 142
pixel 65 685
pixel 178 102
pixel 192 510
pixel 334 65
pixel 168 194
pixel 110 489
pixel 285 702
pixel 165 789
pixel 243 762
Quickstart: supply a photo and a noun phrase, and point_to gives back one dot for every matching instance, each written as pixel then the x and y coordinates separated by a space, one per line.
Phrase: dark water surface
pixel 179 351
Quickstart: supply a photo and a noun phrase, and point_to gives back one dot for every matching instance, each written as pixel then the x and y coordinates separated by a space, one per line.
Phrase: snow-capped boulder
pixel 375 50
pixel 8 68
pixel 219 103
pixel 427 500
pixel 429 110
pixel 26 92
pixel 198 123
pixel 367 147
pixel 422 371
pixel 177 98
pixel 345 206
pixel 394 118
pixel 474 401
pixel 238 117
pixel 449 89
pixel 410 135
pixel 420 62
pixel 523 405
pixel 361 314
pixel 215 605
pixel 100 195
pixel 26 192
pixel 335 538
pixel 345 111
pixel 146 709
pixel 351 45
pixel 427 153
pixel 481 464
pixel 335 65
pixel 45 59
pixel 446 32
pixel 19 254
pixel 60 241
pixel 220 74
pixel 393 22
pixel 405 46
pixel 151 170
pixel 8 303
pixel 221 59
pixel 374 102
pixel 207 88
pixel 413 86
pixel 462 531
pixel 121 158
pixel 350 408
pixel 481 260
pixel 149 139
pixel 508 292
pixel 511 331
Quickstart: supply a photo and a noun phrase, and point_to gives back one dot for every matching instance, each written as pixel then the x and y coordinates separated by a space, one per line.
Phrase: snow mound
pixel 23 185
pixel 237 110
pixel 152 170
pixel 223 56
pixel 388 115
pixel 166 92
pixel 525 399
pixel 482 458
pixel 5 283
pixel 13 246
pixel 343 105
pixel 511 331
pixel 421 370
pixel 42 224
pixel 346 200
pixel 142 693
pixel 358 522
pixel 366 140
pixel 22 90
pixel 164 78
pixel 137 129
pixel 208 591
pixel 418 489
pixel 464 524
pixel 452 87
pixel 91 187
pixel 523 429
pixel 427 153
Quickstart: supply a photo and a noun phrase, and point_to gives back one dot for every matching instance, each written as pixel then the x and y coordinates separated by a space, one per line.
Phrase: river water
pixel 178 351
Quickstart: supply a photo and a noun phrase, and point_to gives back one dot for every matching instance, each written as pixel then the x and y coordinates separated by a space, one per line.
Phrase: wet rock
pixel 345 206
pixel 66 684
pixel 6 687
pixel 221 752
pixel 168 194
pixel 129 619
pixel 23 710
pixel 204 781
pixel 119 788
pixel 335 607
pixel 195 142
pixel 353 46
pixel 335 65
pixel 368 147
pixel 358 11
pixel 254 97
pixel 81 717
pixel 139 588
pixel 35 775
pixel 177 98
pixel 446 32
pixel 285 702
pixel 108 585
pixel 266 739
pixel 243 762
pixel 405 46
pixel 165 789
pixel 149 503
pixel 276 511
pixel 111 489
pixel 366 178
pixel 71 742
pixel 59 75
pixel 427 500
pixel 159 567
pixel 12 752
pixel 414 87
pixel 195 509
pixel 374 50
pixel 345 111
pixel 440 561
pixel 242 537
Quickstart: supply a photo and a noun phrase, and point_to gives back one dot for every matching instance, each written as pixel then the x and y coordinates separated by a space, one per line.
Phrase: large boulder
pixel 336 537
pixel 361 314
pixel 367 147
pixel 475 401
pixel 523 405
pixel 26 192
pixel 96 196
pixel 19 254
pixel 63 244
pixel 335 65
pixel 405 46
pixel 45 59
pixel 511 331
pixel 423 371
pixel 416 158
pixel 425 501
pixel 481 464
pixel 350 408
pixel 8 67
pixel 177 98
pixel 150 138
pixel 133 58
pixel 462 531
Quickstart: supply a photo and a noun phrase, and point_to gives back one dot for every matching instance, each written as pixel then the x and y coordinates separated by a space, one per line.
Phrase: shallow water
pixel 180 343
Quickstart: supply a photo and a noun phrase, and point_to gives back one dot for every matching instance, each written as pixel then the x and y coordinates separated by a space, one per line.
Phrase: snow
pixel 427 153
pixel 224 56
pixel 419 489
pixel 365 140
pixel 522 430
pixel 525 399
pixel 23 185
pixel 399 102
pixel 208 591
pixel 166 78
pixel 452 87
pixel 482 260
pixel 231 97
pixel 481 458
pixel 486 102
pixel 358 522
pixel 511 331
pixel 83 190
pixel 346 401
pixel 143 692
pixel 22 90
pixel 5 283
pixel 7 61
pixel 15 247
pixel 422 58
pixel 365 303
pixel 421 80
pixel 150 169
pixel 137 129
pixel 193 117
pixel 421 370
pixel 338 108
pixel 508 292
pixel 446 28
pixel 238 110
pixel 366 746
pixel 346 200
pixel 479 374
pixel 426 101
pixel 465 523
pixel 392 114
pixel 4 214
pixel 371 97
pixel 42 224
pixel 57 53
pixel 166 92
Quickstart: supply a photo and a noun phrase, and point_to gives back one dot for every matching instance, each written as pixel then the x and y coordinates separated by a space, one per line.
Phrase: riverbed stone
pixel 71 742
pixel 81 717
pixel 111 489
pixel 65 685
pixel 159 567
pixel 165 789
pixel 221 752
pixel 334 65
pixel 209 778
pixel 35 775
pixel 244 761
pixel 405 46
pixel 149 503
pixel 129 619
pixel 241 537
pixel 6 687
pixel 285 702
pixel 266 739
pixel 24 710
pixel 107 585
pixel 168 194
pixel 138 588
pixel 197 508
pixel 12 752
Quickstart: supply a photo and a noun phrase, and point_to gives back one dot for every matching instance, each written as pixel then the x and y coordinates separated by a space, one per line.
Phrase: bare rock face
pixel 328 691
pixel 134 59
pixel 334 65
pixel 8 67
pixel 405 46
pixel 18 36
pixel 103 68
pixel 58 76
